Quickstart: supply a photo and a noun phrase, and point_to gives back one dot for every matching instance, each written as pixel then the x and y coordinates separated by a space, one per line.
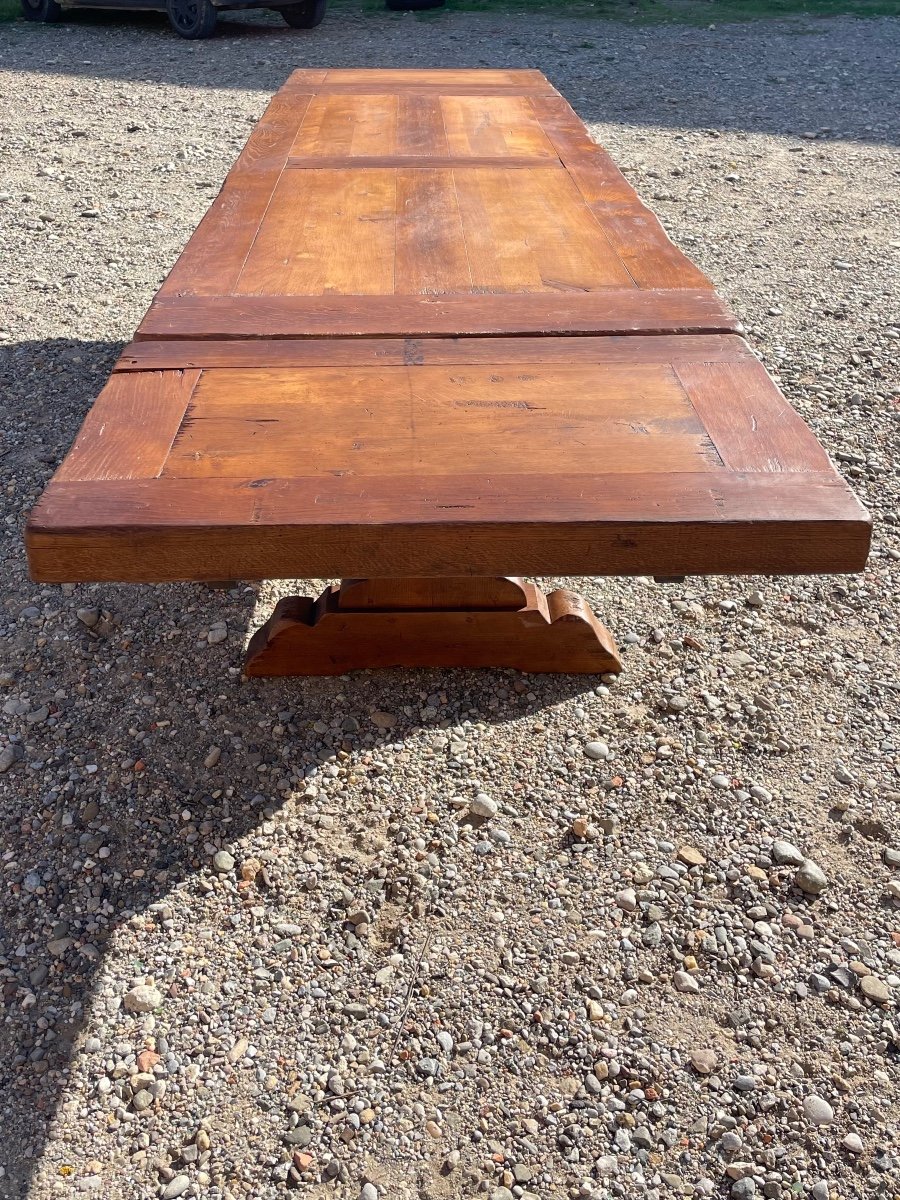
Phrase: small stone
pixel 817 1110
pixel 383 720
pixel 213 757
pixel 88 616
pixel 250 868
pixel 218 633
pixel 691 856
pixel 141 1100
pixel 223 861
pixel 745 1083
pixel 704 1061
pixel 627 900
pixel 843 775
pixel 685 983
pixel 892 858
pixel 743 1189
pixel 143 999
pixel 598 751
pixel 176 1187
pixel 810 877
pixel 853 1143
pixel 875 989
pixel 238 1050
pixel 369 1192
pixel 892 889
pixel 786 853
pixel 720 781
pixel 484 806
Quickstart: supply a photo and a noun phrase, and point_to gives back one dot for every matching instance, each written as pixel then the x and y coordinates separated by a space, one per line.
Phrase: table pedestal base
pixel 460 622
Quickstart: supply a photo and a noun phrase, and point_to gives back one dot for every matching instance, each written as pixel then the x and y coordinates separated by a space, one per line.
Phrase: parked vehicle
pixel 189 18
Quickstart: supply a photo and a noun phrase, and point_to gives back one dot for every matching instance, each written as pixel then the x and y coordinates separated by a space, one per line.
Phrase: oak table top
pixel 428 329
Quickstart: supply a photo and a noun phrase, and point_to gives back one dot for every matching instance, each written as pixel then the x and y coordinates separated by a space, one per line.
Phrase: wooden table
pixel 427 335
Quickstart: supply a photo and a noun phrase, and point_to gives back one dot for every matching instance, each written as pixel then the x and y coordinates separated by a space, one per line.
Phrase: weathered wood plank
pixel 609 310
pixel 620 524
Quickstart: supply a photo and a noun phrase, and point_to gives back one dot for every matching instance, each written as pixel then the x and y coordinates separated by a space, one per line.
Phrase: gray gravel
pixel 442 934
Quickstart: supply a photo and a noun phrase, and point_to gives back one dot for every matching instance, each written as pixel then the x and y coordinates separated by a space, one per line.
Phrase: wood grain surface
pixel 428 330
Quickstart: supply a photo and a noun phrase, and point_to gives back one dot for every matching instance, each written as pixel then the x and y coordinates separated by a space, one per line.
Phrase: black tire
pixel 47 11
pixel 192 19
pixel 412 5
pixel 305 16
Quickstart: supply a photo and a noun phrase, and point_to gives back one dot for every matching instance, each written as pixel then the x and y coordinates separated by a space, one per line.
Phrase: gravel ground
pixel 445 934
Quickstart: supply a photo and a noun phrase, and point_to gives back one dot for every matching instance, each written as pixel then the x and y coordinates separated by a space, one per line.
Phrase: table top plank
pixel 620 524
pixel 129 431
pixel 327 199
pixel 428 329
pixel 452 351
pixel 607 311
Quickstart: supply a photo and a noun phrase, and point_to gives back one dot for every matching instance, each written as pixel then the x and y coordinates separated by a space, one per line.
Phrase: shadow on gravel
pixel 794 78
pixel 114 739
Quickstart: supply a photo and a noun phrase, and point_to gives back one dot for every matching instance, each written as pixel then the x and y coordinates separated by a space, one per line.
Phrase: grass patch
pixel 9 10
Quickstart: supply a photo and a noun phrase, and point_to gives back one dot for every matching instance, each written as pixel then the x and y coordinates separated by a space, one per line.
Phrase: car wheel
pixel 192 18
pixel 412 5
pixel 305 16
pixel 47 11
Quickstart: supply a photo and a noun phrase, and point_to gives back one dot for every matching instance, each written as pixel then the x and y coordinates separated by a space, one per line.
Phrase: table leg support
pixel 460 622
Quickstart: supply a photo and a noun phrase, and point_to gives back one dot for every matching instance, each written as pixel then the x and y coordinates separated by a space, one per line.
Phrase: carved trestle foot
pixel 458 622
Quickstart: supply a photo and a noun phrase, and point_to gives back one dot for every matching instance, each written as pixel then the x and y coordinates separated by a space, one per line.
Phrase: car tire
pixel 47 11
pixel 412 5
pixel 192 19
pixel 305 16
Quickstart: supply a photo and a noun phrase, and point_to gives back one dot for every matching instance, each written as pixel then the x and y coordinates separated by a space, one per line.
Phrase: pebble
pixel 810 877
pixel 875 989
pixel 484 806
pixel 176 1187
pixel 686 983
pixel 598 751
pixel 223 861
pixel 691 856
pixel 704 1061
pixel 853 1143
pixel 383 720
pixel 817 1110
pixel 143 999
pixel 787 854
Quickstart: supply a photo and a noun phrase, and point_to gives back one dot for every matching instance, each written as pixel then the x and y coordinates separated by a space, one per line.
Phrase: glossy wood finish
pixel 427 330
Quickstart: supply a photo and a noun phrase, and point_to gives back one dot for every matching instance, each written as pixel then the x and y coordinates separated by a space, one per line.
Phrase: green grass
pixel 9 10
